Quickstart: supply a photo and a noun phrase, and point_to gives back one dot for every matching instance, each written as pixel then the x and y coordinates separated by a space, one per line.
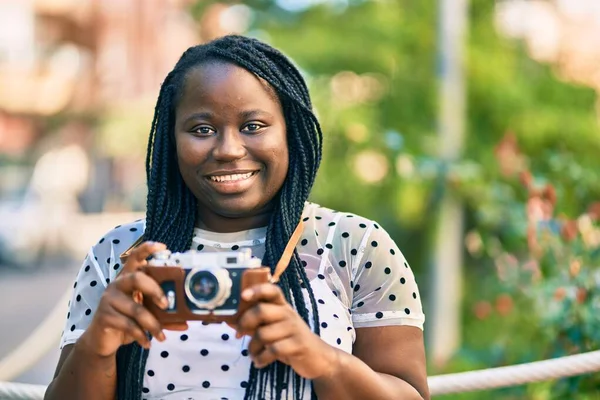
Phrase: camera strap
pixel 288 252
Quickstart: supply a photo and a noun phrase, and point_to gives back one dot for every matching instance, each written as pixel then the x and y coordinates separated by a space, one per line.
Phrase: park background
pixel 475 143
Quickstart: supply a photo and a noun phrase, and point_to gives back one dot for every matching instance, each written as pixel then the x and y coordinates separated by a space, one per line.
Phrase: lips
pixel 232 182
pixel 231 177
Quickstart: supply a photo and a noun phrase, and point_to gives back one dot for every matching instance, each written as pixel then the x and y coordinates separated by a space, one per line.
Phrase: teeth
pixel 231 178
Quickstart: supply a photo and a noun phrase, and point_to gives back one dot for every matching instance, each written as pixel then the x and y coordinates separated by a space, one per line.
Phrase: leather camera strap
pixel 284 261
pixel 125 255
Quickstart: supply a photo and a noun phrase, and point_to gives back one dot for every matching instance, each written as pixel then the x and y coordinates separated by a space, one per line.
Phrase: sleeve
pixel 385 289
pixel 99 268
pixel 91 281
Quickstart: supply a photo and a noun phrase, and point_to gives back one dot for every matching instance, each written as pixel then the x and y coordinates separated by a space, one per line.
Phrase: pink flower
pixel 569 230
pixel 581 295
pixel 560 294
pixel 575 267
pixel 509 156
pixel 526 179
pixel 504 304
pixel 594 211
pixel 482 310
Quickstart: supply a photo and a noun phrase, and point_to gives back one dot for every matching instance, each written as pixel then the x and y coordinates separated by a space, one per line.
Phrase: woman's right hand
pixel 119 318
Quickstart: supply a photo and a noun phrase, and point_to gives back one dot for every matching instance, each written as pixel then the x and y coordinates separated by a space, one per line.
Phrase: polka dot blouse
pixel 358 275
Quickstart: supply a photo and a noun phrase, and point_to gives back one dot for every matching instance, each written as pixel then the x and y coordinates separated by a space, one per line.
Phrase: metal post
pixel 444 318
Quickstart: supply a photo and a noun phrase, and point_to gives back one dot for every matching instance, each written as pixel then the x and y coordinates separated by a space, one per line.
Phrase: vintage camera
pixel 204 286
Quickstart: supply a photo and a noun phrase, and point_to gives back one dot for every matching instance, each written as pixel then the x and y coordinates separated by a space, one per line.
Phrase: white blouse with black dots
pixel 358 275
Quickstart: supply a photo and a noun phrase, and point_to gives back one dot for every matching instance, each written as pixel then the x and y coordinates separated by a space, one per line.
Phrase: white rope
pixel 492 378
pixel 515 375
pixel 21 391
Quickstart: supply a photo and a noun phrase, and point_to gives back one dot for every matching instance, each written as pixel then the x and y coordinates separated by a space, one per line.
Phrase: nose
pixel 230 146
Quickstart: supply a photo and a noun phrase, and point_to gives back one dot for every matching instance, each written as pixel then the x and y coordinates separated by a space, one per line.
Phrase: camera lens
pixel 203 286
pixel 208 288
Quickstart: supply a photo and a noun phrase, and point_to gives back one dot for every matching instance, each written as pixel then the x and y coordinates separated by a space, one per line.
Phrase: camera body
pixel 204 286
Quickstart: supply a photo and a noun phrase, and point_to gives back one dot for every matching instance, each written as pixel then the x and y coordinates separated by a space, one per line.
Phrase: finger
pixel 121 323
pixel 139 281
pixel 268 334
pixel 260 314
pixel 264 358
pixel 123 304
pixel 255 347
pixel 138 256
pixel 266 292
pixel 281 350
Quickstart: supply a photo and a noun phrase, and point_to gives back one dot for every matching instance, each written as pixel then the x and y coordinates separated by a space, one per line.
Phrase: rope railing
pixel 492 378
pixel 21 391
pixel 37 344
pixel 515 375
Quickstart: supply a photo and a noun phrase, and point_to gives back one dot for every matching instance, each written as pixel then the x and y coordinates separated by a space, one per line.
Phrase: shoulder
pixel 117 240
pixel 347 234
pixel 333 217
pixel 343 223
pixel 102 262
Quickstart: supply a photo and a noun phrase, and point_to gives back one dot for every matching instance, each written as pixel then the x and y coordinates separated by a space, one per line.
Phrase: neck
pixel 221 224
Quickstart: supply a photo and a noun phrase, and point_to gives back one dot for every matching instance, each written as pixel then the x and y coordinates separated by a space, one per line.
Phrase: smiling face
pixel 231 142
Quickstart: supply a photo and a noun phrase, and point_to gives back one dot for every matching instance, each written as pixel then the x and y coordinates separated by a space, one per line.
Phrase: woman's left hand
pixel 279 333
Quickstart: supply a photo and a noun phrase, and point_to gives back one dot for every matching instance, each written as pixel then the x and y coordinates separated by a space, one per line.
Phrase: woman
pixel 232 156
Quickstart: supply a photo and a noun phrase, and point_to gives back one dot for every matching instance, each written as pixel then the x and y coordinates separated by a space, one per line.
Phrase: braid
pixel 171 207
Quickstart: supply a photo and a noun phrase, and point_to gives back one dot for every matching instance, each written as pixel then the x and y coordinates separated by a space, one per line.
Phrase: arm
pixel 87 366
pixel 388 363
pixel 81 374
pixel 388 360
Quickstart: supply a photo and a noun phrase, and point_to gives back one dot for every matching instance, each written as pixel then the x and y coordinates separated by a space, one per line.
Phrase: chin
pixel 240 208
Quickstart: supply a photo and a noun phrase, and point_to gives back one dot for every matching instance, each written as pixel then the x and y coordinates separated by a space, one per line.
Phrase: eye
pixel 203 130
pixel 252 127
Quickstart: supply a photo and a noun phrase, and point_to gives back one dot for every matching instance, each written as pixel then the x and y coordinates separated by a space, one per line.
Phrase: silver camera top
pixel 209 278
pixel 196 259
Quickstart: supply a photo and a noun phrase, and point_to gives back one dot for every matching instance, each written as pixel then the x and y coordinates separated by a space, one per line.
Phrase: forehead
pixel 220 81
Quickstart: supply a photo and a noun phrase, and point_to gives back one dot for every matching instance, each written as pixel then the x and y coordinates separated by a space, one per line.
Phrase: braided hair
pixel 171 206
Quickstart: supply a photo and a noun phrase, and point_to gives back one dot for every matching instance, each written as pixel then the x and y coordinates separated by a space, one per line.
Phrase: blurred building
pixel 564 33
pixel 78 56
pixel 65 66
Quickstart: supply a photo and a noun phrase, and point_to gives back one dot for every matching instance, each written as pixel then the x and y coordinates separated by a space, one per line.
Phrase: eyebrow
pixel 254 113
pixel 199 115
pixel 248 114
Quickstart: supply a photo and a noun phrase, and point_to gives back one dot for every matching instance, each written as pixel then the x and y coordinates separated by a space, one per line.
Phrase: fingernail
pixel 247 294
pixel 164 302
pixel 162 337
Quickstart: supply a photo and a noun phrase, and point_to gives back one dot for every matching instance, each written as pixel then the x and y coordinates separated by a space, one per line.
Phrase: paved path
pixel 26 297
